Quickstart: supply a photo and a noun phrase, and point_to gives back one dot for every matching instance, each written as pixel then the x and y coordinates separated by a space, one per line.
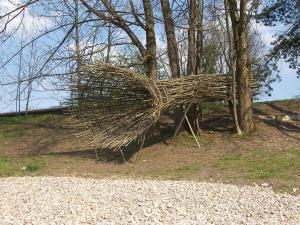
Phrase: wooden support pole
pixel 123 156
pixel 143 141
pixel 188 122
pixel 182 119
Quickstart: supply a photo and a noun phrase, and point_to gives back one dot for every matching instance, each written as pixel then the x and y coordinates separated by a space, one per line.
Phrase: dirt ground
pixel 271 154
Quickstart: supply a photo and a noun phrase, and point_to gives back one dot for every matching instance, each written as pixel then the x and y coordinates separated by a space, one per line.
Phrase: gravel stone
pixel 70 200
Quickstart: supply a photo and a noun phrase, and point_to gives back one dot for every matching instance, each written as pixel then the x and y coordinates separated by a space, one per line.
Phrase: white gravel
pixel 69 200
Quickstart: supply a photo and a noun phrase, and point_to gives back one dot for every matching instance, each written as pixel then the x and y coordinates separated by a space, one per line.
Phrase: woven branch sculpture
pixel 115 106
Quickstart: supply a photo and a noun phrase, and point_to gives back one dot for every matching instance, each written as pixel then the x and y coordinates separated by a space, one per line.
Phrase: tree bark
pixel 232 104
pixel 171 39
pixel 191 65
pixel 199 43
pixel 77 42
pixel 149 60
pixel 239 25
pixel 191 38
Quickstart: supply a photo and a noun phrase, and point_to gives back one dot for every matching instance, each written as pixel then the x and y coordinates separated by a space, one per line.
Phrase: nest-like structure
pixel 115 106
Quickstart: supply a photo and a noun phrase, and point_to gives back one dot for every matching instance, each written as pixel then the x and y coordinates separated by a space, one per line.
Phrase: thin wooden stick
pixel 188 122
pixel 182 119
pixel 143 141
pixel 123 156
pixel 97 156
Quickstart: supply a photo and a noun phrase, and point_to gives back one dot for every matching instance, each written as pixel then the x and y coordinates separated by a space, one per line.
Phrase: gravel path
pixel 69 200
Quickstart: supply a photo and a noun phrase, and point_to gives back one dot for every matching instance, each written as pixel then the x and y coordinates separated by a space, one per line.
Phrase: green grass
pixel 20 167
pixel 7 168
pixel 11 131
pixel 34 166
pixel 2 136
pixel 188 140
pixel 14 127
pixel 262 164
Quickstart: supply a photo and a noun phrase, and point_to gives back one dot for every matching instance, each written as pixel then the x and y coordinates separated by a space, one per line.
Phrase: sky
pixel 287 88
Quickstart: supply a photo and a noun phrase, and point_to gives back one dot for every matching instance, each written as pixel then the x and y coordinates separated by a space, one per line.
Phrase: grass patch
pixel 7 168
pixel 14 119
pixel 12 131
pixel 284 188
pixel 2 136
pixel 14 127
pixel 20 167
pixel 188 140
pixel 262 164
pixel 34 166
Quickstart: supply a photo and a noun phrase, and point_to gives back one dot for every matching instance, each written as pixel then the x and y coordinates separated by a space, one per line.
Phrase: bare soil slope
pixel 42 145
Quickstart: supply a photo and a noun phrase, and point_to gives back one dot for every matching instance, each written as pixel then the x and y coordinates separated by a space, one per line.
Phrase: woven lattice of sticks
pixel 115 106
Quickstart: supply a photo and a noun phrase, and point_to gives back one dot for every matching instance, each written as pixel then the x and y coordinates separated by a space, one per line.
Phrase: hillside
pixel 42 145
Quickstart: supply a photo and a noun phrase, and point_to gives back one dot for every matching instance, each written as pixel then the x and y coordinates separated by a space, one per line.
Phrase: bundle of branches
pixel 114 106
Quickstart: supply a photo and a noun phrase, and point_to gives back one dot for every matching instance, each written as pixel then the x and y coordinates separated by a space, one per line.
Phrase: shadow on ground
pixel 284 127
pixel 218 121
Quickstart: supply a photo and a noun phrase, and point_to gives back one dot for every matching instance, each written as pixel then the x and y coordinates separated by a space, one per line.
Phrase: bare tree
pixel 148 53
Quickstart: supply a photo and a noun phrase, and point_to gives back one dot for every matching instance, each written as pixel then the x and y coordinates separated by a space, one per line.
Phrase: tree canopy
pixel 287 43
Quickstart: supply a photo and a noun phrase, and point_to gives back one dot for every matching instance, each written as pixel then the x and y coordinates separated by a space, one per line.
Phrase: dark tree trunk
pixel 171 39
pixel 149 60
pixel 195 110
pixel 239 25
pixel 199 43
pixel 232 103
pixel 172 48
pixel 191 38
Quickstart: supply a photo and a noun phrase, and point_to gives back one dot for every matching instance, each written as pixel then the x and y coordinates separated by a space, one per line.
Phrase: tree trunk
pixel 171 39
pixel 109 42
pixel 77 42
pixel 30 75
pixel 239 25
pixel 232 104
pixel 244 88
pixel 191 38
pixel 194 111
pixel 149 60
pixel 18 97
pixel 199 43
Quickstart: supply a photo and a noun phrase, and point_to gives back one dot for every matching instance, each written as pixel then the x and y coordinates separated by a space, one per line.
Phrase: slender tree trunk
pixel 199 43
pixel 77 42
pixel 109 43
pixel 30 74
pixel 28 96
pixel 191 38
pixel 18 97
pixel 191 65
pixel 149 60
pixel 171 39
pixel 239 25
pixel 233 104
pixel 172 48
